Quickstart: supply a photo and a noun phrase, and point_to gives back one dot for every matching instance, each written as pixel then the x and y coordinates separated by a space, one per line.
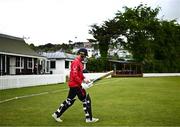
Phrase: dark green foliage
pixel 97 65
pixel 53 47
pixel 154 42
pixel 32 46
pixel 103 37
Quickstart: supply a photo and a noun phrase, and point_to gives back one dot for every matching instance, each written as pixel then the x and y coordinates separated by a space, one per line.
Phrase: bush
pixel 97 65
pixel 162 66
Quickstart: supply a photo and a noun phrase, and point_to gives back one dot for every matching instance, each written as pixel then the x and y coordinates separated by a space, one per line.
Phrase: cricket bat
pixel 88 85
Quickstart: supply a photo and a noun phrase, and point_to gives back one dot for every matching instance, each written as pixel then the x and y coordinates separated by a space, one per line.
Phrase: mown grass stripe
pixel 37 94
pixel 31 95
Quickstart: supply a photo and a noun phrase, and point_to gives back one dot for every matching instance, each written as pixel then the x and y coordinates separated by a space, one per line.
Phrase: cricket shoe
pixel 56 118
pixel 92 121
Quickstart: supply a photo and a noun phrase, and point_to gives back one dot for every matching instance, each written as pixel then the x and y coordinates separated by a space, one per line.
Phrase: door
pixel 1 65
pixel 12 67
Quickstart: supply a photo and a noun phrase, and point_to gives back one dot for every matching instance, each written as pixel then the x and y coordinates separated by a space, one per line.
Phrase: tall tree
pixel 167 52
pixel 154 42
pixel 102 37
pixel 140 23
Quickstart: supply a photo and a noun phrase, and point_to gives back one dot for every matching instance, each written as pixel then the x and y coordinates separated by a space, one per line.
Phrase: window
pixel 67 64
pixel 1 65
pixel 47 66
pixel 19 62
pixel 29 63
pixel 52 64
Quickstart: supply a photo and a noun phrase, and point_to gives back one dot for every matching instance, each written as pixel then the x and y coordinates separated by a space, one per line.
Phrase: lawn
pixel 115 101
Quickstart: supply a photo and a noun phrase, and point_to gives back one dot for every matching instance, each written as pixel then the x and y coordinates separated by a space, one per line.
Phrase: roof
pixel 15 46
pixel 124 62
pixel 82 45
pixel 58 55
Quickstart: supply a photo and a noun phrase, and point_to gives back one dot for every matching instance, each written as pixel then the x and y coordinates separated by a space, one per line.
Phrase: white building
pixel 121 53
pixel 20 66
pixel 60 62
pixel 88 46
pixel 17 58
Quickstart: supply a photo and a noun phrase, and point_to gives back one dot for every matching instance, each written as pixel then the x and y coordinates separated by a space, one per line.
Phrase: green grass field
pixel 115 101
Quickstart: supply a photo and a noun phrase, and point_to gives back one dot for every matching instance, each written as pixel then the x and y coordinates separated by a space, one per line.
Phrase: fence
pixel 93 75
pixel 18 81
pixel 160 74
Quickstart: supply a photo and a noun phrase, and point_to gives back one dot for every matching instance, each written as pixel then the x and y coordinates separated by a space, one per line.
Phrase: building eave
pixel 22 55
pixel 11 37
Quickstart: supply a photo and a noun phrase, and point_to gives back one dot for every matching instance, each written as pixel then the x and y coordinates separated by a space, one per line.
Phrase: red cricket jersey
pixel 76 73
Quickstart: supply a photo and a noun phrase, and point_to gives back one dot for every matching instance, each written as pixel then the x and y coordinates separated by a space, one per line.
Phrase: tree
pixel 167 52
pixel 32 46
pixel 101 35
pixel 53 47
pixel 154 42
pixel 141 22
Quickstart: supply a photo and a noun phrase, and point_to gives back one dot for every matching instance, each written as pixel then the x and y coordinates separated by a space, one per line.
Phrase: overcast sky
pixel 58 21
